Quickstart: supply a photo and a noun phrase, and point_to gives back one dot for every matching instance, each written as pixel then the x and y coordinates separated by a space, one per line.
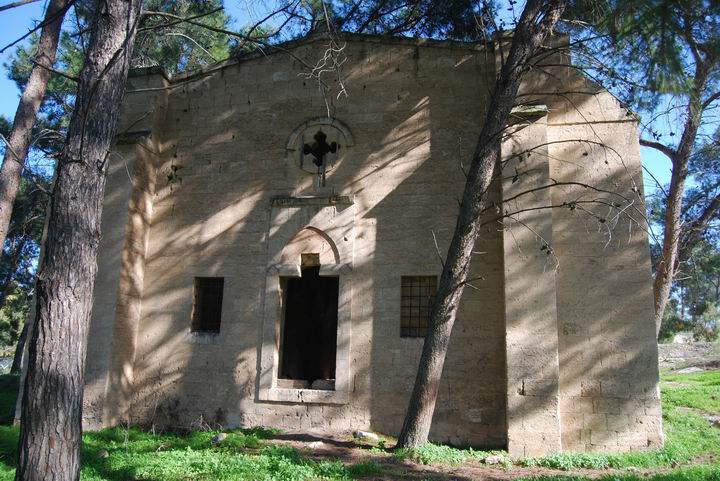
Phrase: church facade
pixel 272 245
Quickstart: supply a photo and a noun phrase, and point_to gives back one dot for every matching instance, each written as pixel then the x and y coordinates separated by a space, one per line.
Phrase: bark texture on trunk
pixel 50 436
pixel 21 134
pixel 537 20
pixel 680 157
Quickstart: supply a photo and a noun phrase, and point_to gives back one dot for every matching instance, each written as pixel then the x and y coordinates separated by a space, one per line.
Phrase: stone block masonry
pixel 554 346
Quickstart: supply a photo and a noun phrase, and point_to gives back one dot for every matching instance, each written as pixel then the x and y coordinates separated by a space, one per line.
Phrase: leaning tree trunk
pixel 666 267
pixel 20 350
pixel 18 141
pixel 529 35
pixel 50 436
pixel 4 291
pixel 12 267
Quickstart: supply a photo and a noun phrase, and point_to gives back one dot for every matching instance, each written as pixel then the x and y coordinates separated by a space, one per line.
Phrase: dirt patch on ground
pixel 349 452
pixel 704 355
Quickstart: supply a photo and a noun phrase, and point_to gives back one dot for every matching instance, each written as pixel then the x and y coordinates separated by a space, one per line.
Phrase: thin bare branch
pixel 559 184
pixel 19 3
pixel 437 249
pixel 39 26
pixel 657 182
pixel 669 152
pixel 7 146
pixel 712 98
pixel 192 40
pixel 55 71
pixel 177 18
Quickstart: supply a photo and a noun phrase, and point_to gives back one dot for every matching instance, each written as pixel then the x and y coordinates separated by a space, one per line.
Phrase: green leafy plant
pixel 365 469
pixel 430 453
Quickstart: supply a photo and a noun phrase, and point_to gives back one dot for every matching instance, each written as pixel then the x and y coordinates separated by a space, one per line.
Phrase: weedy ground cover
pixel 691 452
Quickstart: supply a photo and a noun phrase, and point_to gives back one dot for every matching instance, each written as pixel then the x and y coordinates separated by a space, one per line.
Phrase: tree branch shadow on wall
pixel 430 138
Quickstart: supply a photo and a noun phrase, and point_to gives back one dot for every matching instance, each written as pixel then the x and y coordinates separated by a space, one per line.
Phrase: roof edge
pixel 295 43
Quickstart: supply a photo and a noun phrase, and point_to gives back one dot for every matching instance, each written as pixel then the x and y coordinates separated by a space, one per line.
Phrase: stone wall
pixel 223 160
pixel 591 376
pixel 222 154
pixel 609 393
pixel 127 211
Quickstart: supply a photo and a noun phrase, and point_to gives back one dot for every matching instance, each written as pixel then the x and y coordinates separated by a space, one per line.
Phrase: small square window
pixel 418 296
pixel 207 304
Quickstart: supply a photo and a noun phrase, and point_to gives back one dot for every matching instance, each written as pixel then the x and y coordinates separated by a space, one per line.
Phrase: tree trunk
pixel 50 436
pixel 4 290
pixel 665 270
pixel 20 136
pixel 13 262
pixel 692 234
pixel 538 18
pixel 19 350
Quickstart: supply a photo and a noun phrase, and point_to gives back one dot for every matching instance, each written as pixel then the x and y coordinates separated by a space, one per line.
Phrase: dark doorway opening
pixel 309 339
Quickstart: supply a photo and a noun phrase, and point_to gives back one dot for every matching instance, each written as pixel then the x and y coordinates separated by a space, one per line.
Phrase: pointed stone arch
pixel 322 226
pixel 310 240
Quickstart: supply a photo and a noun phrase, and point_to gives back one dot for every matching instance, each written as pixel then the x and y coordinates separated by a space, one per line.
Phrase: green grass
pixel 271 463
pixel 242 455
pixel 251 454
pixel 699 390
pixel 365 469
pixel 8 396
pixel 696 473
pixel 8 451
pixel 440 454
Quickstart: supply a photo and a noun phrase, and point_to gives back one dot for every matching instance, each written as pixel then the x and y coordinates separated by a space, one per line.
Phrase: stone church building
pixel 271 249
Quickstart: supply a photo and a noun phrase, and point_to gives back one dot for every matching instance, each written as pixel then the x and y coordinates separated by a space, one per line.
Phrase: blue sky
pixel 17 21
